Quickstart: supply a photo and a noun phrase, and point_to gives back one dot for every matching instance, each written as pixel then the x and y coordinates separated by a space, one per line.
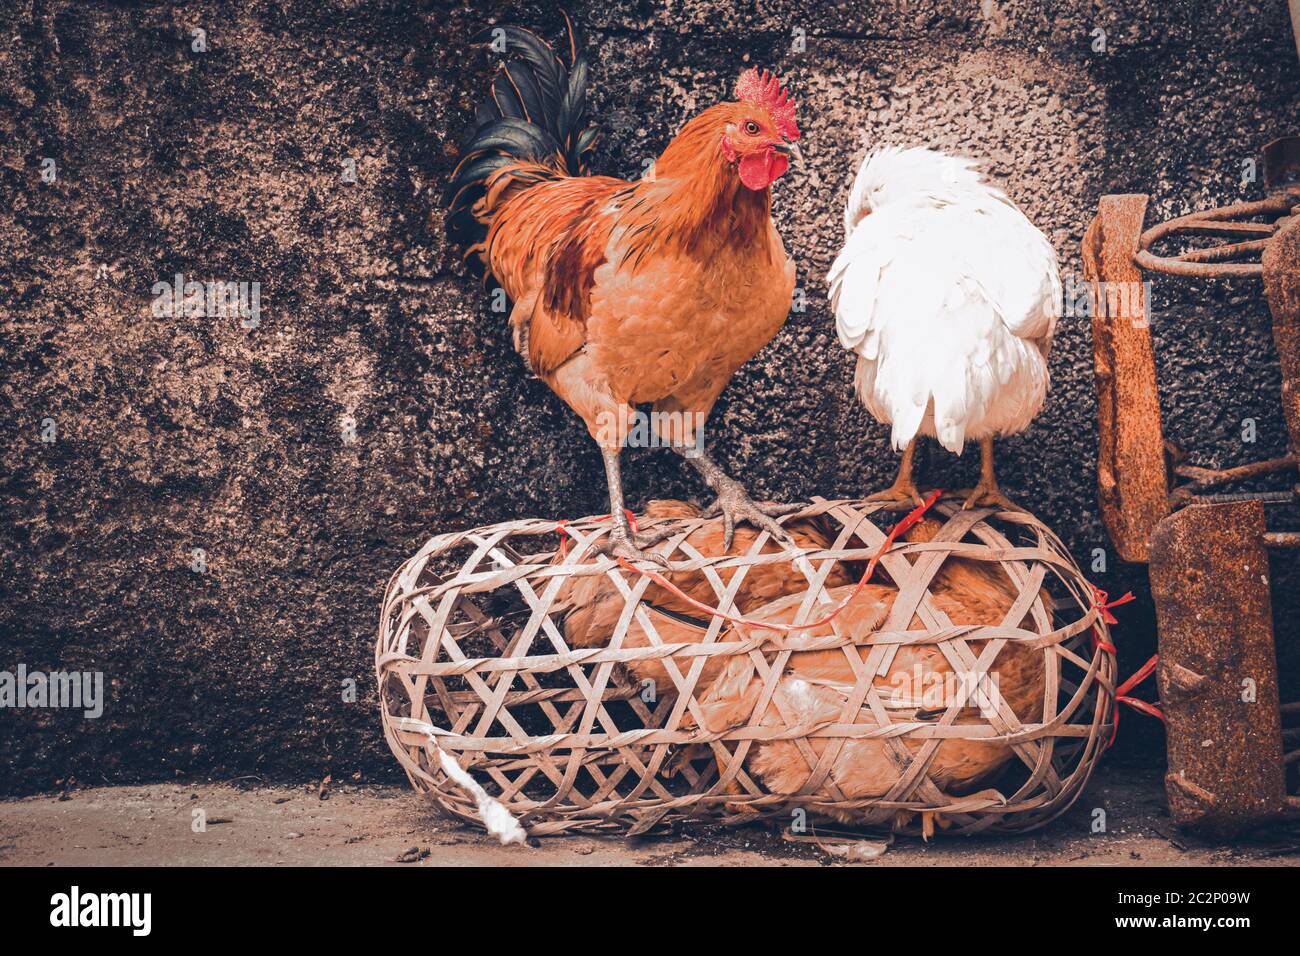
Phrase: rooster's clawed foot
pixel 734 504
pixel 633 547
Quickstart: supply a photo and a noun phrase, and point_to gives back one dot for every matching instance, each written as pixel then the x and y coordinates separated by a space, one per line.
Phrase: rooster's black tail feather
pixel 534 113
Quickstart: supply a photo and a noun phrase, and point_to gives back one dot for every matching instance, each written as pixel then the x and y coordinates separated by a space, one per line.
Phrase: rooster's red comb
pixel 764 88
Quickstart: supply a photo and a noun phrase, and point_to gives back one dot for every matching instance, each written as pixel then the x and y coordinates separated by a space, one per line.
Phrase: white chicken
pixel 949 296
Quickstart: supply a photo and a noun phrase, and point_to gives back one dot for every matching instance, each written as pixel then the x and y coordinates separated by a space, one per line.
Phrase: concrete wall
pixel 180 434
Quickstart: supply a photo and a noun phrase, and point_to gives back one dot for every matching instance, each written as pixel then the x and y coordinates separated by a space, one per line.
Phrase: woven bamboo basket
pixel 473 666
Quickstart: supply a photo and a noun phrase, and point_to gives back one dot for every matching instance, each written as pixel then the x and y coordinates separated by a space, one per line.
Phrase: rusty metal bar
pixel 1222 253
pixel 1215 624
pixel 1263 497
pixel 1281 265
pixel 1204 478
pixel 1209 263
pixel 1132 484
pixel 1282 539
pixel 1210 478
pixel 1197 228
pixel 1272 206
pixel 1200 270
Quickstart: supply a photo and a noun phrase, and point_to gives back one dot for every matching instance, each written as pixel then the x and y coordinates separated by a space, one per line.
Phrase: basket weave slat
pixel 471 661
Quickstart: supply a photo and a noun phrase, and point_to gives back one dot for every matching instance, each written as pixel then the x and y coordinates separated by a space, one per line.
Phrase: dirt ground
pixel 253 825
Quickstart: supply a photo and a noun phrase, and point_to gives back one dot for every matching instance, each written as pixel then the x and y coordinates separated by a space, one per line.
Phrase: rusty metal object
pixel 1203 479
pixel 1251 239
pixel 1281 265
pixel 1287 539
pixel 1228 752
pixel 1282 163
pixel 1130 477
pixel 1217 262
pixel 1263 497
pixel 1218 670
pixel 1131 480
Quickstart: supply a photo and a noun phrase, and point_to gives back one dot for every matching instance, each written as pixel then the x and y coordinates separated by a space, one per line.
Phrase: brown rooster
pixel 627 293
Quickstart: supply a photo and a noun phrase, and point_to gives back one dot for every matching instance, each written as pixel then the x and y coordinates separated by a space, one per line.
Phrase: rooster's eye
pixel 751 128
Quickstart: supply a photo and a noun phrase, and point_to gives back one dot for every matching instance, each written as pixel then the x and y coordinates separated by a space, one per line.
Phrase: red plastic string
pixel 1142 673
pixel 1102 601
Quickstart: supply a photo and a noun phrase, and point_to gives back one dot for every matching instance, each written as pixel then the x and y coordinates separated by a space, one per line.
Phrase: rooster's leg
pixel 733 501
pixel 903 490
pixel 621 542
pixel 987 491
pixel 679 422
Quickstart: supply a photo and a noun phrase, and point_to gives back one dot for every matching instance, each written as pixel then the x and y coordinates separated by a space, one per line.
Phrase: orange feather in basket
pixel 918 685
pixel 814 685
pixel 590 606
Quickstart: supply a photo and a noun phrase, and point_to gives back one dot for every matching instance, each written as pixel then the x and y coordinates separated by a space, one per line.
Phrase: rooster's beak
pixel 790 149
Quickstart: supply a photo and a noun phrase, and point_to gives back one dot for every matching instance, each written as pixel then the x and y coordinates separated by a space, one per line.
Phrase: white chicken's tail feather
pixel 907 417
pixel 971 383
pixel 951 433
pixel 974 378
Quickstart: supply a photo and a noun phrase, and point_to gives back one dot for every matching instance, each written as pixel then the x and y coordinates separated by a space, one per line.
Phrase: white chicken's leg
pixel 904 489
pixel 987 492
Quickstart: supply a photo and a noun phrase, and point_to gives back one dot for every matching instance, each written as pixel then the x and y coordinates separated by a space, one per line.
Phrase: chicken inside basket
pixel 970 695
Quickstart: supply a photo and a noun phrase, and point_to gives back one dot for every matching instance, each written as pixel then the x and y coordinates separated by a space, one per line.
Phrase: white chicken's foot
pixel 899 495
pixel 987 494
pixel 903 491
pixel 903 495
pixel 982 496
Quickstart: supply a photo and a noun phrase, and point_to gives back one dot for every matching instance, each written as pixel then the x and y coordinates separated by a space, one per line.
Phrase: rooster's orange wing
pixel 544 247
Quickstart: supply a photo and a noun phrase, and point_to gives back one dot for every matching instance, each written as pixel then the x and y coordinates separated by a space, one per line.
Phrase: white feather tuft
pixel 495 817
